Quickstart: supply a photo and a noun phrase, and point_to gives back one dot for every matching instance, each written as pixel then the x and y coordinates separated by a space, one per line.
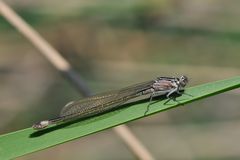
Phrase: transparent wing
pixel 102 102
pixel 76 106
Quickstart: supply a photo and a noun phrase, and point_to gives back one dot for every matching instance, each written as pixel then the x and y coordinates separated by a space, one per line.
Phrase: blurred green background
pixel 113 44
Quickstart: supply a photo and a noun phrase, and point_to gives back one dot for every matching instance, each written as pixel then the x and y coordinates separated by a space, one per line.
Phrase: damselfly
pixel 107 101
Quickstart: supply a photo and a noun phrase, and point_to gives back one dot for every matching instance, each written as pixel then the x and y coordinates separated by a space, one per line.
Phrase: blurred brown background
pixel 113 44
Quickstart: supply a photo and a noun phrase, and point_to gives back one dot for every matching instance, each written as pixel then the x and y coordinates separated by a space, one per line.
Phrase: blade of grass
pixel 26 141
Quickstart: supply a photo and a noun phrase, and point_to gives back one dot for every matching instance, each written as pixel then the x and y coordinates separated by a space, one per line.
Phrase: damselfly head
pixel 183 80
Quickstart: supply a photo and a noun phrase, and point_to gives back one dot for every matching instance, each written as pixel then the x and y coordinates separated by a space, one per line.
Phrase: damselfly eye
pixel 183 81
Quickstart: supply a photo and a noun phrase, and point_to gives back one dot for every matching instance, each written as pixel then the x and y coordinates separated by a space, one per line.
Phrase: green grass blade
pixel 26 141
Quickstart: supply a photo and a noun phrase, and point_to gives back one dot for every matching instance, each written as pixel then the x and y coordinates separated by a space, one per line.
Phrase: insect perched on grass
pixel 101 103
